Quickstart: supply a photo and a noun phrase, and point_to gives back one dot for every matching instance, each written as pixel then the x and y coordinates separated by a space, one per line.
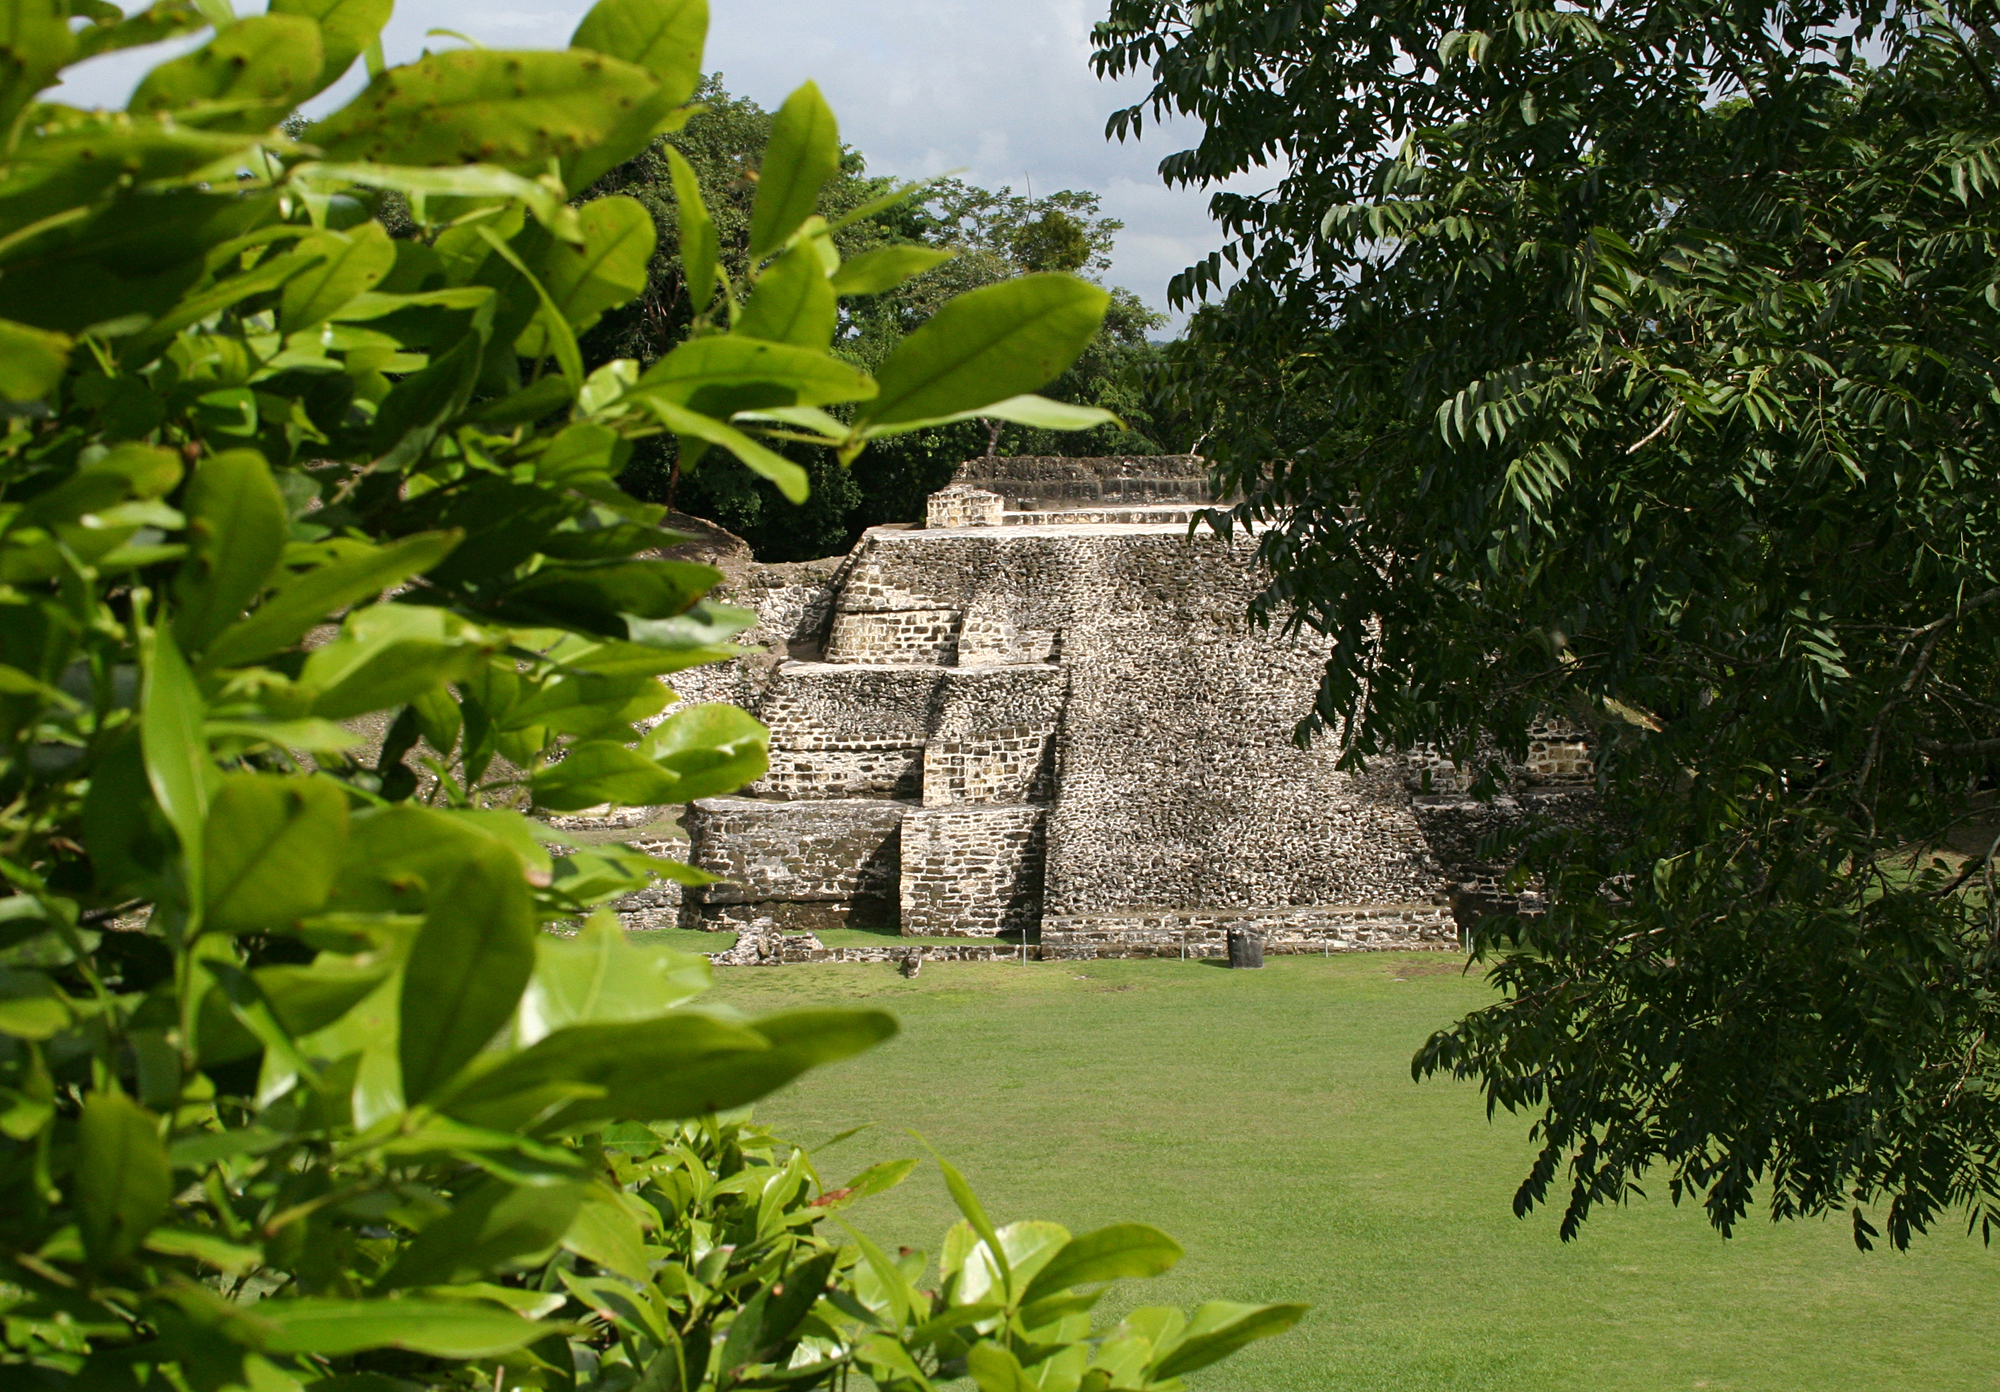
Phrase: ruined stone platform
pixel 1045 713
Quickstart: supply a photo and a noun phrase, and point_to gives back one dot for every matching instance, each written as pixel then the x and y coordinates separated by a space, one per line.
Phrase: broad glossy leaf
pixel 985 346
pixel 798 1040
pixel 346 29
pixel 483 106
pixel 724 373
pixel 122 1183
pixel 603 975
pixel 605 1231
pixel 32 361
pixel 1218 1329
pixel 884 268
pixel 665 37
pixel 354 262
pixel 676 1065
pixel 300 1001
pixel 598 772
pixel 273 845
pixel 803 154
pixel 388 653
pixel 236 535
pixel 310 599
pixel 467 968
pixel 245 78
pixel 994 1369
pixel 494 1228
pixel 1108 1254
pixel 608 270
pixel 457 1329
pixel 711 748
pixel 793 303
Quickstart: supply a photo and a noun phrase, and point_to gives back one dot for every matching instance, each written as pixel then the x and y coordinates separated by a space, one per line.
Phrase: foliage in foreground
pixel 294 1089
pixel 1566 388
pixel 965 237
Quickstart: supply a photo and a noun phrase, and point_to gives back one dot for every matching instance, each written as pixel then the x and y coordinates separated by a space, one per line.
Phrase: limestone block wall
pixel 1030 483
pixel 915 636
pixel 962 505
pixel 825 851
pixel 1010 765
pixel 973 871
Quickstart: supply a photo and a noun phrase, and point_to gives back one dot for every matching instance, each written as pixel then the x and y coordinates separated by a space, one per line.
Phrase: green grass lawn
pixel 1267 1119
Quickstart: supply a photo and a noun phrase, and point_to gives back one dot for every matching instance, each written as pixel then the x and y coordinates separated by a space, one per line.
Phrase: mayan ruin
pixel 1043 715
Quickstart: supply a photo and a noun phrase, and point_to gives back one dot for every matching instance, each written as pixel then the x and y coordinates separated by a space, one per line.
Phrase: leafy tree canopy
pixel 1633 362
pixel 959 237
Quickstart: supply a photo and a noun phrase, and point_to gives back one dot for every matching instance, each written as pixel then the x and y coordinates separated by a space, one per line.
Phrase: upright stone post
pixel 1246 949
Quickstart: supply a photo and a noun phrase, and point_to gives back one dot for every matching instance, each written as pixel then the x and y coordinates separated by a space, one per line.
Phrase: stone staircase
pixel 909 782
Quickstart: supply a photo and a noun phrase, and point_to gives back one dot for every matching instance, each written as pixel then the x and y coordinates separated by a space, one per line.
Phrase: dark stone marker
pixel 1246 949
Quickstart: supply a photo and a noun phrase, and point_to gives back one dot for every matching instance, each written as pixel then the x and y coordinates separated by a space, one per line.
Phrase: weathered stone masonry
pixel 1046 715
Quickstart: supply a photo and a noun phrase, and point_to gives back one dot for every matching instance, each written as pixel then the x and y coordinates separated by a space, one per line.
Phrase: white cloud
pixel 1001 89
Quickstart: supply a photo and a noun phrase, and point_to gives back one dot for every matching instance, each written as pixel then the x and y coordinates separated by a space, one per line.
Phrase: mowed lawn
pixel 1268 1121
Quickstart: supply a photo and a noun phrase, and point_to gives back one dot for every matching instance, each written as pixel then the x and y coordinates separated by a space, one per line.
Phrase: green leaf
pixel 481 106
pixel 700 247
pixel 665 37
pixel 793 303
pixel 495 1228
pixel 607 271
pixel 994 1369
pixel 789 477
pixel 177 762
pixel 122 1182
pixel 803 154
pixel 346 29
pixel 456 1329
pixel 299 604
pixel 355 262
pixel 273 846
pixel 463 181
pixel 604 1231
pixel 32 360
pixel 467 968
pixel 35 42
pixel 1220 1328
pixel 236 534
pixel 640 1070
pixel 884 268
pixel 602 975
pixel 556 334
pixel 32 1008
pixel 724 373
pixel 159 21
pixel 975 1214
pixel 386 654
pixel 599 772
pixel 711 749
pixel 1109 1254
pixel 1044 414
pixel 245 78
pixel 231 1258
pixel 985 346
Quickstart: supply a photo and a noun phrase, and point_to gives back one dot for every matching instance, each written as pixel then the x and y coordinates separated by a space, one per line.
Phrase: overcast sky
pixel 999 88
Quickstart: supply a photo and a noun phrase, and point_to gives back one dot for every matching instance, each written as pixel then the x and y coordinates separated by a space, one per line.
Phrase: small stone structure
pixel 1044 717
